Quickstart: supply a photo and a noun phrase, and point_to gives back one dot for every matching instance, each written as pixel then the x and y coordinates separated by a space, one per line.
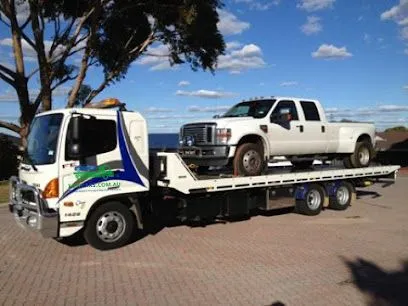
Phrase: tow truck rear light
pixel 223 135
pixel 51 190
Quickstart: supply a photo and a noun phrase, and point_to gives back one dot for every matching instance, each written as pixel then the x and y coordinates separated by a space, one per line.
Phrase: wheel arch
pixel 258 139
pixel 364 137
pixel 130 202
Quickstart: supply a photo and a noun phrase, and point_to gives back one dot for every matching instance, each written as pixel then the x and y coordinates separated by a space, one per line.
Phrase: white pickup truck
pixel 252 132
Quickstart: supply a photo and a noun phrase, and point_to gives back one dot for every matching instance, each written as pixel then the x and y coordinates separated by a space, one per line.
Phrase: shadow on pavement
pixel 367 193
pixel 383 287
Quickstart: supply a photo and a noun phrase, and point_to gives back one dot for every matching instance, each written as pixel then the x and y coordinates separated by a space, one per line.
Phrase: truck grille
pixel 202 133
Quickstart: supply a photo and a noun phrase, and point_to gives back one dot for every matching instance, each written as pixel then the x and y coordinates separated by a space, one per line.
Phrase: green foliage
pixel 8 158
pixel 188 27
pixel 399 128
pixel 82 95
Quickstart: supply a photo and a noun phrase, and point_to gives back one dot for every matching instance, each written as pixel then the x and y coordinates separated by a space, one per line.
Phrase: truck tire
pixel 361 156
pixel 313 203
pixel 248 160
pixel 110 226
pixel 342 197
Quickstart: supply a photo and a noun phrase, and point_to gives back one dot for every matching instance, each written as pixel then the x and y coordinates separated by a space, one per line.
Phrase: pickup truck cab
pixel 252 132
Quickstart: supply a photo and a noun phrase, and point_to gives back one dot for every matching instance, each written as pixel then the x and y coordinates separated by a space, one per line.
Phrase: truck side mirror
pixel 74 144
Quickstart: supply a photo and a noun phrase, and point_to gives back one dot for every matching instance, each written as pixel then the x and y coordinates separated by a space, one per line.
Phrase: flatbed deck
pixel 175 174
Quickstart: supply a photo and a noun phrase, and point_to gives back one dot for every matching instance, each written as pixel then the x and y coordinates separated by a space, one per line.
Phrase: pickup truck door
pixel 285 133
pixel 315 131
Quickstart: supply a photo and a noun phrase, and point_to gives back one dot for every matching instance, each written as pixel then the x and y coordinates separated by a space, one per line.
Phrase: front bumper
pixel 30 209
pixel 205 155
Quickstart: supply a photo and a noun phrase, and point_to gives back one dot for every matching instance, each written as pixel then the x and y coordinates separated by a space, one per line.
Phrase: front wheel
pixel 109 226
pixel 249 160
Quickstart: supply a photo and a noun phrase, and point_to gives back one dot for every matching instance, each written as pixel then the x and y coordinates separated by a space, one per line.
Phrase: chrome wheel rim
pixel 364 156
pixel 342 195
pixel 110 226
pixel 251 161
pixel 313 199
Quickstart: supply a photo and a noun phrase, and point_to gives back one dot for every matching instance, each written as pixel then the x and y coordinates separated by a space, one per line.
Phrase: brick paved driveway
pixel 337 258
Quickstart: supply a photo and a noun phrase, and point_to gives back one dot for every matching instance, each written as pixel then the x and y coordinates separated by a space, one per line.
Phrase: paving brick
pixel 286 258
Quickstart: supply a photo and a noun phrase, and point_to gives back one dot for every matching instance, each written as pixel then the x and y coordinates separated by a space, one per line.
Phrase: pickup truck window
pixel 286 107
pixel 310 111
pixel 256 109
pixel 100 135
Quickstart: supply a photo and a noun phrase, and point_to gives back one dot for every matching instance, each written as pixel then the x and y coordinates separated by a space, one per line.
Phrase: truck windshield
pixel 42 140
pixel 255 109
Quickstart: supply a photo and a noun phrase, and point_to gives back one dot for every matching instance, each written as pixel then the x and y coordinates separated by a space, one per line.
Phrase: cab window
pixel 285 107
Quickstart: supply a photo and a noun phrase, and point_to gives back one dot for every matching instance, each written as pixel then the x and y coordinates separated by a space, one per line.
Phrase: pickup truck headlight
pixel 223 135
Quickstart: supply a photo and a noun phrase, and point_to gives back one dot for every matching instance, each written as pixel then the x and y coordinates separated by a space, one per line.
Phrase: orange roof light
pixel 106 103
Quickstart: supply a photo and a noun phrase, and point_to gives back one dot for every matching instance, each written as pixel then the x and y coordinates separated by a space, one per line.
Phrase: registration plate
pixel 189 152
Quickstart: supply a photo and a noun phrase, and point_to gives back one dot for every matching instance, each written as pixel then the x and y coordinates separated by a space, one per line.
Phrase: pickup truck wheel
pixel 342 197
pixel 362 155
pixel 312 204
pixel 109 226
pixel 248 160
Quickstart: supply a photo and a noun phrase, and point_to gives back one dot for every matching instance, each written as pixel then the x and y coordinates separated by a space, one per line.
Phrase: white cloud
pixel 156 57
pixel 289 83
pixel 158 110
pixel 406 51
pixel 237 60
pixel 203 93
pixel 233 45
pixel 261 5
pixel 360 18
pixel 312 25
pixel 398 14
pixel 331 52
pixel 11 97
pixel 404 33
pixel 393 108
pixel 208 109
pixel 367 38
pixel 315 5
pixel 169 117
pixel 405 87
pixel 183 83
pixel 229 24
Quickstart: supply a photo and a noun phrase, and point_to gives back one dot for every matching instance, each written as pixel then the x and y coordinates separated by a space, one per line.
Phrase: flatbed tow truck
pixel 127 182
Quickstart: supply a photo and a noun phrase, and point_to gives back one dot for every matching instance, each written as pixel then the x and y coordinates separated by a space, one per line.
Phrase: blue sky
pixel 351 55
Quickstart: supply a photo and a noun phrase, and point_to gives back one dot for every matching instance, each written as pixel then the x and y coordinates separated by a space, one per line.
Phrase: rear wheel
pixel 361 156
pixel 249 160
pixel 342 196
pixel 109 226
pixel 313 202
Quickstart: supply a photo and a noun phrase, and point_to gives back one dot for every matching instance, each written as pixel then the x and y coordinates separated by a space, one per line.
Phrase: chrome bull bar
pixel 32 214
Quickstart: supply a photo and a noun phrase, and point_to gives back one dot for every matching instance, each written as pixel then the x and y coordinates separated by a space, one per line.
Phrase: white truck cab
pixel 76 158
pixel 252 132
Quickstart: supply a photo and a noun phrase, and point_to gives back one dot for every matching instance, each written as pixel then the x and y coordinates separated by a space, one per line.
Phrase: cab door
pixel 285 131
pixel 315 131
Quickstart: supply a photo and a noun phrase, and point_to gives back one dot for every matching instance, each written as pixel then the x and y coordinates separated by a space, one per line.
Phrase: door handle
pixel 300 127
pixel 323 129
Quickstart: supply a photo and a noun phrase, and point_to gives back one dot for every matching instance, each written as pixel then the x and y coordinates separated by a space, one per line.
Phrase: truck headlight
pixel 223 135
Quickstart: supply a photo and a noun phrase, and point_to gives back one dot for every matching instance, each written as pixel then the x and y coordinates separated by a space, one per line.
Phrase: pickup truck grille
pixel 202 133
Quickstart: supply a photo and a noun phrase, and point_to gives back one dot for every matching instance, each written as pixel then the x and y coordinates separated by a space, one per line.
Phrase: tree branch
pixel 10 72
pixel 6 79
pixel 10 126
